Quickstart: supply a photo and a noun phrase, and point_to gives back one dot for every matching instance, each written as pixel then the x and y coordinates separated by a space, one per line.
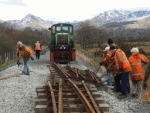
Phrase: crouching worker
pixel 137 74
pixel 26 53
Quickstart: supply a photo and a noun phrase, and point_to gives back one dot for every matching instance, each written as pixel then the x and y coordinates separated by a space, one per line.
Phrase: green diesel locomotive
pixel 62 42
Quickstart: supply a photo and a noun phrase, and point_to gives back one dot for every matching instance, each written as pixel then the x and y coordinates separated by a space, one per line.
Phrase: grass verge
pixel 8 63
pixel 88 56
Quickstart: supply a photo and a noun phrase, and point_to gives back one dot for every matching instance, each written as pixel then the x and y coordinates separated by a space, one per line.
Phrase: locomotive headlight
pixel 60 47
pixel 64 47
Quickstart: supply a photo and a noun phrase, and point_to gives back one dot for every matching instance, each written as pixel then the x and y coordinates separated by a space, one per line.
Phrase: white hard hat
pixel 107 48
pixel 19 43
pixel 37 41
pixel 134 49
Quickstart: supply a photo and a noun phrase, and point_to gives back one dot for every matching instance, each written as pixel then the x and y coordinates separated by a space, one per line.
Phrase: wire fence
pixel 7 57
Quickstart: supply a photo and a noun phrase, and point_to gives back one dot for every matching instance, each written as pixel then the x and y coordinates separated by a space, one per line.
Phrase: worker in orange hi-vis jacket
pixel 105 54
pixel 26 53
pixel 122 68
pixel 37 48
pixel 109 58
pixel 137 74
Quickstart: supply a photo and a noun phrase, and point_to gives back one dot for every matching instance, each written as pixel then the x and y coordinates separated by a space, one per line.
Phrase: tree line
pixel 10 36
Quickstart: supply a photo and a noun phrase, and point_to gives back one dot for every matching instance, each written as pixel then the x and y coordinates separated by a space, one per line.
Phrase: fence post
pixel 5 57
pixel 9 56
pixel 0 61
pixel 13 55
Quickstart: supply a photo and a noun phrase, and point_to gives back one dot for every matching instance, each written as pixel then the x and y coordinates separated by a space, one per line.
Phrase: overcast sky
pixel 65 10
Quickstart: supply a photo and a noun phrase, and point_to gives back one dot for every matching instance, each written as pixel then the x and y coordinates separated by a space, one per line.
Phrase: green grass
pixel 8 63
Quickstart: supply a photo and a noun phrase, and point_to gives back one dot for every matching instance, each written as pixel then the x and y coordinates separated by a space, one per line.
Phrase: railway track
pixel 70 90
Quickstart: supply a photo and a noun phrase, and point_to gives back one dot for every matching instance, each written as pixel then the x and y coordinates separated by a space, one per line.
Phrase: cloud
pixel 14 2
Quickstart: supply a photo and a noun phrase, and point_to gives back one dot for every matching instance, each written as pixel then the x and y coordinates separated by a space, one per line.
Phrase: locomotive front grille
pixel 62 39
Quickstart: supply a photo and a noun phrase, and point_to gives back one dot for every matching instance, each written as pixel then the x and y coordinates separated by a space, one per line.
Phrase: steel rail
pixel 91 98
pixel 64 75
pixel 82 97
pixel 97 80
pixel 74 70
pixel 83 77
pixel 60 103
pixel 53 98
pixel 90 75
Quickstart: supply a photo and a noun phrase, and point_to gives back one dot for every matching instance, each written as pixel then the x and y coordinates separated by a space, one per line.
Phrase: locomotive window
pixel 70 29
pixel 58 28
pixel 53 29
pixel 65 28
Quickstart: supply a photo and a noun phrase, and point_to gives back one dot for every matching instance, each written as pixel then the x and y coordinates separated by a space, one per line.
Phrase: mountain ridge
pixel 101 19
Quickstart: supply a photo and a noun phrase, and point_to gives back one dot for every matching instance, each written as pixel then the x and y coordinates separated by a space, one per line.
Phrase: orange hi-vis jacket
pixel 37 46
pixel 109 53
pixel 121 61
pixel 109 58
pixel 103 54
pixel 136 60
pixel 113 44
pixel 24 51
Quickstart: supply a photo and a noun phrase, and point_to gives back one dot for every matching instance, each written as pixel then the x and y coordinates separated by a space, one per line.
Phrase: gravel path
pixel 18 94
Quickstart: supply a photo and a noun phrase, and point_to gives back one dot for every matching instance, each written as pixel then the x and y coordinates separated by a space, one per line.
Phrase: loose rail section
pixel 63 95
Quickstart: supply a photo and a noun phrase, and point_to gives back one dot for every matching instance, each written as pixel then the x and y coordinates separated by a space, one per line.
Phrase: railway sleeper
pixel 44 95
pixel 74 108
pixel 41 109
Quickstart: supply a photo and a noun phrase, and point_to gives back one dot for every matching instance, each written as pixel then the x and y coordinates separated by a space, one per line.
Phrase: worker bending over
pixel 37 48
pixel 109 58
pixel 137 74
pixel 122 68
pixel 26 53
pixel 104 55
pixel 108 63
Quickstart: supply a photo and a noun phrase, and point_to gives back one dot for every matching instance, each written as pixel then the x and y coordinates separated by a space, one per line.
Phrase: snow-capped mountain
pixel 34 22
pixel 29 21
pixel 117 16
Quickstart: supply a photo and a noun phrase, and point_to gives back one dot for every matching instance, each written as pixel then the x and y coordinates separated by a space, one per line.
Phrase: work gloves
pixel 18 63
pixel 32 58
pixel 144 85
pixel 101 63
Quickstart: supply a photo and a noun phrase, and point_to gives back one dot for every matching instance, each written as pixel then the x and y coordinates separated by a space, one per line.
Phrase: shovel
pixel 110 78
pixel 106 70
